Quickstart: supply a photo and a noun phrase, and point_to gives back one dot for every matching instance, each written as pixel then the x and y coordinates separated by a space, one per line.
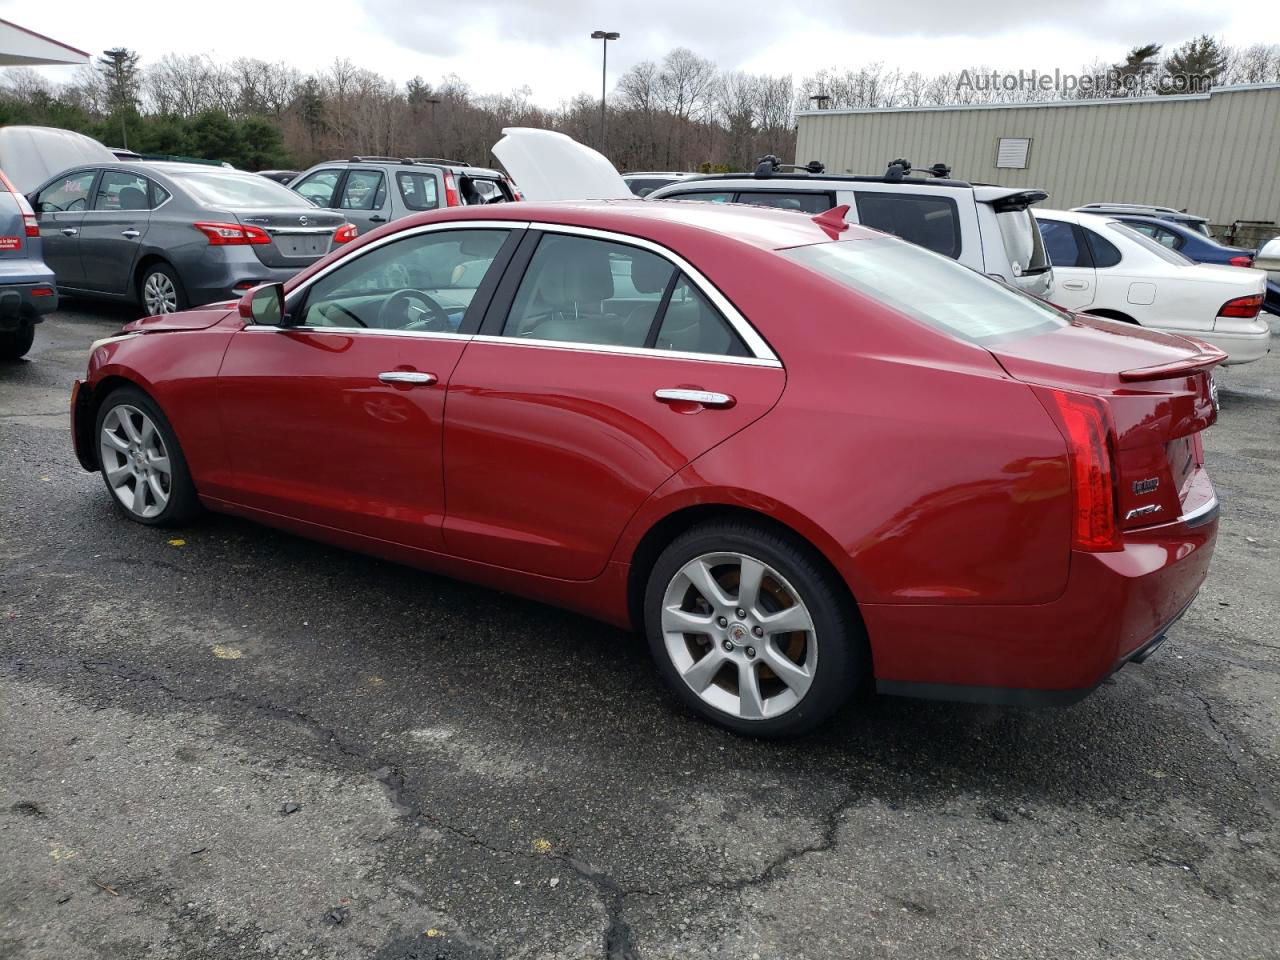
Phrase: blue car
pixel 1189 235
pixel 27 290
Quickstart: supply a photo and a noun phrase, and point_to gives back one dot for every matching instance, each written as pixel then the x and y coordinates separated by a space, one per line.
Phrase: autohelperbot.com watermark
pixel 1104 83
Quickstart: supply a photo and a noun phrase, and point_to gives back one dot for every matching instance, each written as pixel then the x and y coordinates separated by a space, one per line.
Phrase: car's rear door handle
pixel 412 377
pixel 131 233
pixel 69 231
pixel 706 398
pixel 377 219
pixel 1075 284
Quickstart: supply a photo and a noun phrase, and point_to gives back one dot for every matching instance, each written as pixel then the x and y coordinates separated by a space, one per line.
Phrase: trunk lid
pixel 1159 392
pixel 298 237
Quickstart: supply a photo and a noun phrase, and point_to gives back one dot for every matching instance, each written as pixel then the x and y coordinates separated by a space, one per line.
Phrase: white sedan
pixel 1102 267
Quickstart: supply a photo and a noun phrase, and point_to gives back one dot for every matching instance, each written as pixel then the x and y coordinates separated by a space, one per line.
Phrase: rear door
pixel 582 396
pixel 113 229
pixel 363 199
pixel 336 420
pixel 1075 282
pixel 60 207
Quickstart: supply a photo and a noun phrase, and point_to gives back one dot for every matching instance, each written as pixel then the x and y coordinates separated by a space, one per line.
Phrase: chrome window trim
pixel 369 331
pixel 619 350
pixel 755 343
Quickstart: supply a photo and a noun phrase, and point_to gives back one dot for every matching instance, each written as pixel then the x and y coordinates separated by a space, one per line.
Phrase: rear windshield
pixel 243 191
pixel 1022 242
pixel 931 288
pixel 1159 249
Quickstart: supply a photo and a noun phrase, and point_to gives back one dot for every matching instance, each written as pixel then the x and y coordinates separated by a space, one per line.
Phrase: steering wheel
pixel 412 310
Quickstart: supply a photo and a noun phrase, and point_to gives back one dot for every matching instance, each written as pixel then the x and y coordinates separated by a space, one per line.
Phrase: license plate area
pixel 302 244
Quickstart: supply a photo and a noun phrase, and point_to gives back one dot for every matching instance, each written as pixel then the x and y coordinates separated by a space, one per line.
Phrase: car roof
pixel 819 178
pixel 663 221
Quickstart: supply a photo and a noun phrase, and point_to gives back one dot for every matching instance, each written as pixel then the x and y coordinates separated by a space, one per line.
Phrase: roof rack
pixel 767 166
pixel 454 163
pixel 359 159
pixel 897 169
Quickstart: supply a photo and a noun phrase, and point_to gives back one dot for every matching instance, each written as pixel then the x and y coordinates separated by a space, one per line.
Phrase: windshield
pixel 242 191
pixel 1022 242
pixel 1159 249
pixel 930 287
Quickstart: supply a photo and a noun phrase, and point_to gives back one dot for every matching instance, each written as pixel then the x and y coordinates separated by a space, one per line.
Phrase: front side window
pixel 931 288
pixel 424 282
pixel 239 191
pixel 584 290
pixel 318 187
pixel 782 200
pixel 1063 244
pixel 418 190
pixel 121 191
pixel 929 222
pixel 66 194
pixel 364 190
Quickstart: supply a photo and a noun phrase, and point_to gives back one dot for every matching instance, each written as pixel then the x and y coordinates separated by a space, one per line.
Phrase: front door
pixel 336 419
pixel 600 372
pixel 1075 281
pixel 112 231
pixel 60 208
pixel 363 200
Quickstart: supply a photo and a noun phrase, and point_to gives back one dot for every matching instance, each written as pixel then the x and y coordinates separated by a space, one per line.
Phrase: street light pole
pixel 604 36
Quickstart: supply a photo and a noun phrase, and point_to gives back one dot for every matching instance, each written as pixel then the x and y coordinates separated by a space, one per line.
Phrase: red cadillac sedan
pixel 796 453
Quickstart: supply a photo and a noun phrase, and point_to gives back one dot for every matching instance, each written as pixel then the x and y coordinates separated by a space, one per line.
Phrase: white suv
pixel 987 228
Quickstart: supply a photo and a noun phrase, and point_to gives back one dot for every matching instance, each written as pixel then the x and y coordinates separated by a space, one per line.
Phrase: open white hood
pixel 31 155
pixel 550 166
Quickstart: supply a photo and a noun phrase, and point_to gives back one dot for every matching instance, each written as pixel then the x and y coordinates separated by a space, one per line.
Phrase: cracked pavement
pixel 248 745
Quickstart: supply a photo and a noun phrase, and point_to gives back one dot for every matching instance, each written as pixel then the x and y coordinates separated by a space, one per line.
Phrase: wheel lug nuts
pixel 722 621
pixel 741 613
pixel 728 646
pixel 751 651
pixel 758 631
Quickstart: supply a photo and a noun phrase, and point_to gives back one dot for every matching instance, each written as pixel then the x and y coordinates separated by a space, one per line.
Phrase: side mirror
pixel 264 305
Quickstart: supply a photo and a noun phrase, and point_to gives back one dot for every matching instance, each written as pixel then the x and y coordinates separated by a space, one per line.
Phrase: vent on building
pixel 1012 153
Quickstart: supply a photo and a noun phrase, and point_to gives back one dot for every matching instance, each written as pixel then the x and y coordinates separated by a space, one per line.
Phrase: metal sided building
pixel 1216 154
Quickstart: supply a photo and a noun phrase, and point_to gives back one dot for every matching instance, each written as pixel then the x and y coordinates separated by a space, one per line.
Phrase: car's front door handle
pixel 377 219
pixel 69 231
pixel 705 398
pixel 131 233
pixel 1075 284
pixel 411 377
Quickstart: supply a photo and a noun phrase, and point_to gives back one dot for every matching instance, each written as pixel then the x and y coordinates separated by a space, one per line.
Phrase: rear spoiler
pixel 1006 200
pixel 1205 356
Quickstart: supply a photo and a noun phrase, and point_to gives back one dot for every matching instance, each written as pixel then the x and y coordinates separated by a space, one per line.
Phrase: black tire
pixel 14 344
pixel 161 269
pixel 841 658
pixel 183 504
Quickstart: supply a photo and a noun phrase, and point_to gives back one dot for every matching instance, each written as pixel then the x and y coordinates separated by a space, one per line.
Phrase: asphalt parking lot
pixel 224 741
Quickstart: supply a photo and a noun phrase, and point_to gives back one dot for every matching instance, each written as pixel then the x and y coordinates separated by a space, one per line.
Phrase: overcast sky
pixel 500 45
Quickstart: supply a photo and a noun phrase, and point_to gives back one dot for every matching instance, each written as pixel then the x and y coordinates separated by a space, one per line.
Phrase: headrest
pixel 578 272
pixel 132 198
pixel 649 273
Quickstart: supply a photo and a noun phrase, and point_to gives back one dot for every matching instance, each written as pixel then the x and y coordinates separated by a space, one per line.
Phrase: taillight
pixel 1242 261
pixel 33 228
pixel 345 233
pixel 515 191
pixel 1244 307
pixel 42 291
pixel 232 234
pixel 1090 444
pixel 451 198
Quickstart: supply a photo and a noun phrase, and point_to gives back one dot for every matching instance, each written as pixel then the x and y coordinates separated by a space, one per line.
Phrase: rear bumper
pixel 21 301
pixel 1115 609
pixel 1251 341
pixel 227 272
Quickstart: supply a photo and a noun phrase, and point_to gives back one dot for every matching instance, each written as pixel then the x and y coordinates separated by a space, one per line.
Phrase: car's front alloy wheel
pixel 752 629
pixel 141 462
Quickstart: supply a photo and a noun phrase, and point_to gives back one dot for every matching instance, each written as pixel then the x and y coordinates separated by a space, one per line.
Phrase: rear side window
pixel 803 202
pixel 1022 242
pixel 418 190
pixel 931 288
pixel 364 190
pixel 318 187
pixel 1104 252
pixel 692 325
pixel 1063 246
pixel 67 193
pixel 483 190
pixel 122 191
pixel 929 222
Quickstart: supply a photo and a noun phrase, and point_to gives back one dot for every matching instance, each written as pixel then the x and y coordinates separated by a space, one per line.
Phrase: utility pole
pixel 604 36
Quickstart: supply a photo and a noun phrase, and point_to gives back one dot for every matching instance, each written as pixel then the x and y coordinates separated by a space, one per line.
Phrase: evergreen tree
pixel 1194 67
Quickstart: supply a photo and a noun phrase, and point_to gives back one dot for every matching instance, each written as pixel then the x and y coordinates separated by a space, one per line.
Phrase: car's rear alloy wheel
pixel 751 630
pixel 161 291
pixel 141 463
